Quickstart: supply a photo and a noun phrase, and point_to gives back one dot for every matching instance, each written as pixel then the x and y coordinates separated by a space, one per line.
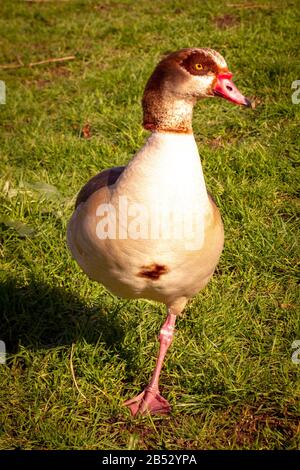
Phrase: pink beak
pixel 226 89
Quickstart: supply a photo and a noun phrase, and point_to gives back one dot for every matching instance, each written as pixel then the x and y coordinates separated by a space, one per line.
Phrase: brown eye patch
pixel 198 63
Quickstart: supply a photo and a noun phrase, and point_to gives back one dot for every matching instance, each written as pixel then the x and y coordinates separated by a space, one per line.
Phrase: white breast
pixel 165 177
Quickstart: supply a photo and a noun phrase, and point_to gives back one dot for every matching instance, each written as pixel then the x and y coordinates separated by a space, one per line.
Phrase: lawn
pixel 229 374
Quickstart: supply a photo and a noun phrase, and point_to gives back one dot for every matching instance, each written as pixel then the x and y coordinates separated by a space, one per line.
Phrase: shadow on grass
pixel 40 316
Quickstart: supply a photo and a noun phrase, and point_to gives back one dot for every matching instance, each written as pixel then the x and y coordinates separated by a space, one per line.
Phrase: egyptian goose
pixel 150 229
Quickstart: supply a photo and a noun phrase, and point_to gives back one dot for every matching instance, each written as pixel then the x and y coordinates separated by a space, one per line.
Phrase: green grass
pixel 229 374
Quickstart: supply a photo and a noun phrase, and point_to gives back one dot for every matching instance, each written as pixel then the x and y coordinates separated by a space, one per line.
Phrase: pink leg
pixel 150 400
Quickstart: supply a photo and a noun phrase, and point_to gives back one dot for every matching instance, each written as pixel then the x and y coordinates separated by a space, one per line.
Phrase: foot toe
pixel 147 402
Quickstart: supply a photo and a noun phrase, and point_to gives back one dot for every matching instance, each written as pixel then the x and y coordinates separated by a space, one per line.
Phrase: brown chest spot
pixel 153 271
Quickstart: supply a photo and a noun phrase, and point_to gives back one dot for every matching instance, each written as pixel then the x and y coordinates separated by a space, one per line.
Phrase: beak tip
pixel 248 103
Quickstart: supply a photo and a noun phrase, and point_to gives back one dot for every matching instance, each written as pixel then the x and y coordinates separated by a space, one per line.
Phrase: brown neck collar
pixel 166 112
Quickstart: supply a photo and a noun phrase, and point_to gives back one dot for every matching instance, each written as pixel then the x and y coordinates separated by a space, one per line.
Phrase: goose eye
pixel 198 66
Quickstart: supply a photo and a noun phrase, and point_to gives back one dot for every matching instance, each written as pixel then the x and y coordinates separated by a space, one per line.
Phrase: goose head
pixel 179 80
